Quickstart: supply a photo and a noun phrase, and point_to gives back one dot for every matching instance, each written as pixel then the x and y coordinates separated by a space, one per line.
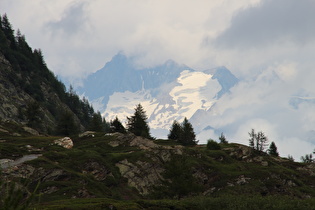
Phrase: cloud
pixel 78 37
pixel 72 21
pixel 264 104
pixel 271 22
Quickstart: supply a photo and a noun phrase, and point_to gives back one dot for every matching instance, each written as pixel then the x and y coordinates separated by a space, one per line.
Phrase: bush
pixel 213 145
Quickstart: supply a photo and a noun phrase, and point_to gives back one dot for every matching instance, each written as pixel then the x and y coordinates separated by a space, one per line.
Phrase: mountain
pixel 167 92
pixel 120 75
pixel 31 95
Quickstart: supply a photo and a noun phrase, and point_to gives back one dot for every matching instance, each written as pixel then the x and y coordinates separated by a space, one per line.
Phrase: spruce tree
pixel 137 123
pixel 116 126
pixel 252 138
pixel 175 131
pixel 33 114
pixel 188 136
pixel 8 31
pixel 67 125
pixel 222 139
pixel 97 123
pixel 273 150
pixel 106 125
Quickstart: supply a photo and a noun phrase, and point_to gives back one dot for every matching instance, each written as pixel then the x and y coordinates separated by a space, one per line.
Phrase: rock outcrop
pixel 142 175
pixel 65 142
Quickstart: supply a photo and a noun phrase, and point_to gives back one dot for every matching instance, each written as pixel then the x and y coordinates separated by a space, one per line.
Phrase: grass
pixel 239 202
pixel 219 170
pixel 88 203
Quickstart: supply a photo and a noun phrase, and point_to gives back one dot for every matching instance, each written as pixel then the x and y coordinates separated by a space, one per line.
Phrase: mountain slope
pixel 113 169
pixel 30 93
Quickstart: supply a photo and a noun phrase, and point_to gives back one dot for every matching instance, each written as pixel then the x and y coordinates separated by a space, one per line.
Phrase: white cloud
pixel 72 22
pixel 271 22
pixel 263 104
pixel 89 33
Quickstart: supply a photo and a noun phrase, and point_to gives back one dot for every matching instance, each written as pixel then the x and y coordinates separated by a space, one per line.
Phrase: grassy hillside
pixel 129 172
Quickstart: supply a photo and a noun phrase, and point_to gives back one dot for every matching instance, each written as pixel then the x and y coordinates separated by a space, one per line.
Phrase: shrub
pixel 213 145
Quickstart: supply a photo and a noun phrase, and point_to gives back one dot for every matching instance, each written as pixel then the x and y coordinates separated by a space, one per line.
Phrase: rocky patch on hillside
pixel 124 164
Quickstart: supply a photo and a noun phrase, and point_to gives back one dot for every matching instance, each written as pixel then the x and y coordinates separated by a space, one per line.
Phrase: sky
pixel 268 44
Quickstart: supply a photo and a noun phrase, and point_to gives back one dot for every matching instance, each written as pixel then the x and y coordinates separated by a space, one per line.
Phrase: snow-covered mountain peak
pixel 167 92
pixel 191 92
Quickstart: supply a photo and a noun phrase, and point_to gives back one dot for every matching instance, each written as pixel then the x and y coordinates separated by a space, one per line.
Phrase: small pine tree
pixel 175 131
pixel 290 157
pixel 252 138
pixel 273 150
pixel 33 114
pixel 97 123
pixel 183 133
pixel 188 136
pixel 222 139
pixel 105 125
pixel 137 124
pixel 67 125
pixel 116 126
pixel 178 179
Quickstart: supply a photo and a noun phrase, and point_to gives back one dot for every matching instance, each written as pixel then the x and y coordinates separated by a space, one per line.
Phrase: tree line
pixel 137 124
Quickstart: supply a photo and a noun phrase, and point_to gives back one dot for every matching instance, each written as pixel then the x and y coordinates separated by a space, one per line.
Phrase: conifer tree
pixel 183 133
pixel 222 139
pixel 8 31
pixel 97 122
pixel 67 125
pixel 175 131
pixel 273 150
pixel 116 126
pixel 290 157
pixel 188 136
pixel 252 138
pixel 106 125
pixel 137 123
pixel 33 114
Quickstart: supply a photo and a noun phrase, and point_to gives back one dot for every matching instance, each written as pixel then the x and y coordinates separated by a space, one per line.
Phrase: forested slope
pixel 31 94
